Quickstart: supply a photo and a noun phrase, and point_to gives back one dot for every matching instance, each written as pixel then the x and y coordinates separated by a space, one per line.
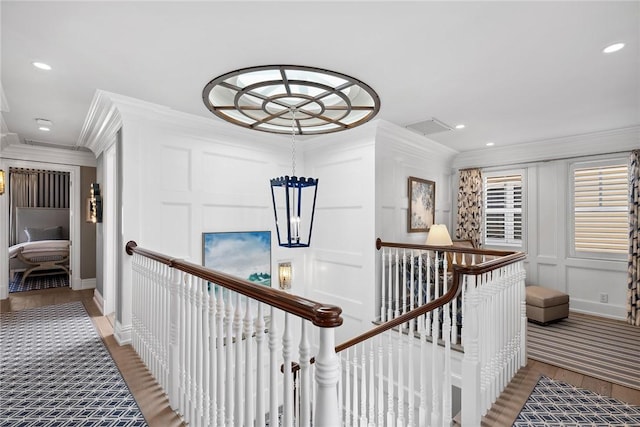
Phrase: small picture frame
pixel 422 205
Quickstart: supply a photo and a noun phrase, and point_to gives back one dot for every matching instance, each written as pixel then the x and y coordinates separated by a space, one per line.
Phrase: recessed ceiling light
pixel 460 126
pixel 613 48
pixel 490 144
pixel 44 128
pixel 42 66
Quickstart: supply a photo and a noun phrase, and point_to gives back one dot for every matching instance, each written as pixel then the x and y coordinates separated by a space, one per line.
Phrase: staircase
pixel 229 352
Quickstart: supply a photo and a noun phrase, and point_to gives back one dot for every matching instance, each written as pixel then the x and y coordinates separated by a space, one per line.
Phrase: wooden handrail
pixel 321 315
pixel 505 258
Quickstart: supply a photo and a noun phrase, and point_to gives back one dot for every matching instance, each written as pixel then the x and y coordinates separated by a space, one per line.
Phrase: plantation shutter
pixel 503 210
pixel 600 209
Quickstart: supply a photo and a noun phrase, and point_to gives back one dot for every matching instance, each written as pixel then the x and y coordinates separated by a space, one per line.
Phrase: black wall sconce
pixel 94 204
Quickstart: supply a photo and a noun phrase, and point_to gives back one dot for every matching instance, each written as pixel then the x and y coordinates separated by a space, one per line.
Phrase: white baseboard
pixel 88 283
pixel 122 334
pixel 610 311
pixel 98 300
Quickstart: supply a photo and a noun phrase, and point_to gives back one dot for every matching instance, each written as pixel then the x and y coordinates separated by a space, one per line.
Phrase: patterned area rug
pixel 56 371
pixel 34 283
pixel 554 403
pixel 601 348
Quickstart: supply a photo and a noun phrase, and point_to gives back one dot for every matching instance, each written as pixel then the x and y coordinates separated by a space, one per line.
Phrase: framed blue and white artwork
pixel 244 254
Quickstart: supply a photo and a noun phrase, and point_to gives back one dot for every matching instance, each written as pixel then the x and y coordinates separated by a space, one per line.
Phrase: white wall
pixel 401 153
pixel 548 203
pixel 341 259
pixel 184 175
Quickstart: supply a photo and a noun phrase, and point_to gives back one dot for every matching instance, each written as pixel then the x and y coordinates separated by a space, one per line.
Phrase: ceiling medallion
pixel 266 98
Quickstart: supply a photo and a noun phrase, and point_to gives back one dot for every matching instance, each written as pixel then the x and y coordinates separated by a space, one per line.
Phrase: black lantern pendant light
pixel 294 198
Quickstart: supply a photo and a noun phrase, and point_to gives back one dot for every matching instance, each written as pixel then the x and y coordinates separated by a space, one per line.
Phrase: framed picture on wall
pixel 244 254
pixel 422 205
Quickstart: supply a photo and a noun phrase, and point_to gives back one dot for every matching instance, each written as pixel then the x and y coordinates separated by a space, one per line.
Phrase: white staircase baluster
pixel 371 413
pixel 354 396
pixel 391 416
pixel 248 364
pixel 220 356
pixel 274 369
pixel 404 283
pixel 383 288
pixel 238 415
pixel 174 343
pixel 212 355
pixel 287 345
pixel 229 357
pixel 380 346
pixel 304 377
pixel 363 389
pixel 390 286
pixel 347 388
pixel 260 337
pixel 327 376
pixel 400 366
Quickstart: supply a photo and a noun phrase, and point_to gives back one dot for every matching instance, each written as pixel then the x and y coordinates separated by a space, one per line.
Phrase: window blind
pixel 503 210
pixel 601 209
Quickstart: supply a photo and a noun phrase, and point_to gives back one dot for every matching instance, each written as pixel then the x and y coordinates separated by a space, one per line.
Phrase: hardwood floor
pixel 155 406
pixel 150 397
pixel 506 409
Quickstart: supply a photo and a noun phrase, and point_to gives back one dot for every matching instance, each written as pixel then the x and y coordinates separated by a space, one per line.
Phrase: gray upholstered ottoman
pixel 546 305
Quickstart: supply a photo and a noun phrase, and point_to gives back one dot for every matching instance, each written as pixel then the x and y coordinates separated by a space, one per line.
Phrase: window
pixel 600 208
pixel 502 202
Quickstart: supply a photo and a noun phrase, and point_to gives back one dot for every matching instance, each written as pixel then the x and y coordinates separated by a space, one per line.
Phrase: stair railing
pixel 216 343
pixel 400 372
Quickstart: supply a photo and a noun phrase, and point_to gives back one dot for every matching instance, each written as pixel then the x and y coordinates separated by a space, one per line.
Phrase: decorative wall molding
pixel 602 142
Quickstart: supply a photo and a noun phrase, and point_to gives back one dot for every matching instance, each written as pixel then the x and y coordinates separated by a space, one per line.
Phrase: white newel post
pixel 523 314
pixel 174 347
pixel 471 362
pixel 327 376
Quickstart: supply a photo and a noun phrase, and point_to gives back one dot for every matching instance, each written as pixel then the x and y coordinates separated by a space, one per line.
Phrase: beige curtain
pixel 633 288
pixel 469 219
pixel 35 188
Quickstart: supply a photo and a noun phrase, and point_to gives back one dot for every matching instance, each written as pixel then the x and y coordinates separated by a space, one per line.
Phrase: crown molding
pixel 11 148
pixel 602 142
pixel 412 144
pixel 110 111
pixel 101 124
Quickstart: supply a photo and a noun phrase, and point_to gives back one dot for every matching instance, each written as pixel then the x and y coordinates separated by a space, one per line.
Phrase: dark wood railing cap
pixel 328 316
pixel 131 245
pixel 321 315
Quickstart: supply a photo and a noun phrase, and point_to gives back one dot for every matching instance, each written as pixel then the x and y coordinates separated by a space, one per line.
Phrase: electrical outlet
pixel 604 297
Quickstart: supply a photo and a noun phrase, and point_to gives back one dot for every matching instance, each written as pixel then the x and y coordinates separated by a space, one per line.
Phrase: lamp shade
pixel 439 236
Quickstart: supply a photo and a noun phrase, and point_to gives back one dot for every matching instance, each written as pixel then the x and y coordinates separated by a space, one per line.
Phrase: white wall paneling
pixel 340 259
pixel 548 218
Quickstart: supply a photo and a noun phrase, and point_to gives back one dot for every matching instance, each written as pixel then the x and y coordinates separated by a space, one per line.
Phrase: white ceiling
pixel 512 72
